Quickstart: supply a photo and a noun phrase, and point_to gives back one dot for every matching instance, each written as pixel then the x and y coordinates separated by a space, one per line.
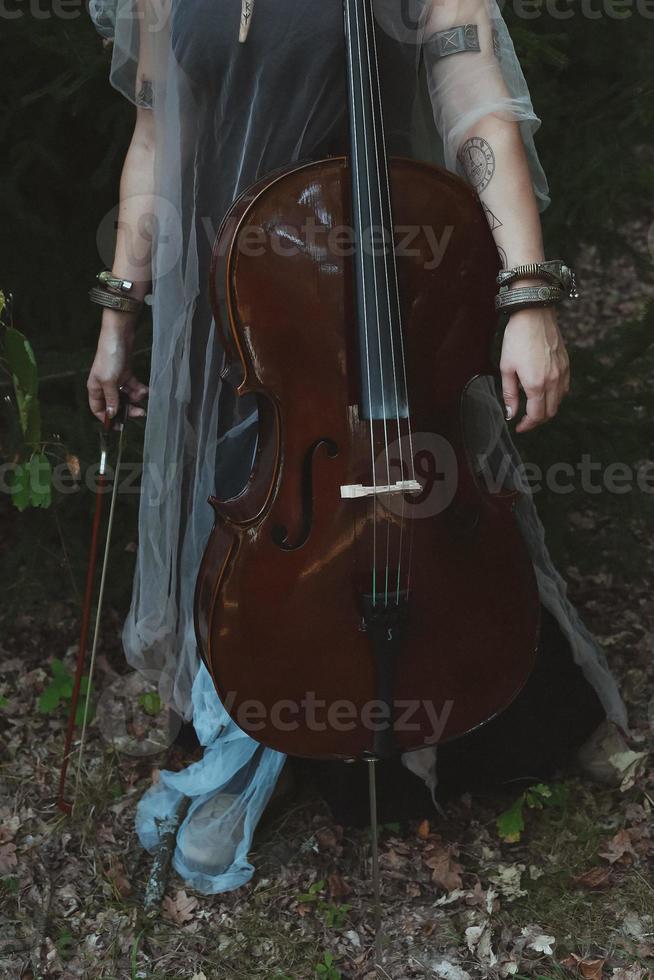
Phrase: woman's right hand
pixel 112 368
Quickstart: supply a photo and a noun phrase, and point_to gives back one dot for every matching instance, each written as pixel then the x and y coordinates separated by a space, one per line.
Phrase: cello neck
pixel 383 384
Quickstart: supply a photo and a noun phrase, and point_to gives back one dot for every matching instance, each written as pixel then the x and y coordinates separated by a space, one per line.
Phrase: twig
pixel 156 886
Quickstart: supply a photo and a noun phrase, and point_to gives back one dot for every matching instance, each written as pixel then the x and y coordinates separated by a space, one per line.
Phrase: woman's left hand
pixel 534 358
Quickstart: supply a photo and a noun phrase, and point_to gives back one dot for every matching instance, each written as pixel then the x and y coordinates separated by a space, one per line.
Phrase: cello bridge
pixel 354 490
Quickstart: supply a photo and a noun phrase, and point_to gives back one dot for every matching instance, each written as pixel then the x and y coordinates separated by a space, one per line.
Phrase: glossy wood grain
pixel 278 597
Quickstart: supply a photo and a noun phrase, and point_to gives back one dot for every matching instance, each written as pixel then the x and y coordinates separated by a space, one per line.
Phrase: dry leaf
pixel 634 972
pixel 423 830
pixel 507 877
pixel 180 908
pixel 116 873
pixel 338 887
pixel 8 859
pixel 8 829
pixel 446 872
pixel 541 943
pixel 449 971
pixel 593 878
pixel 619 848
pixel 591 969
pixel 588 969
pixel 328 840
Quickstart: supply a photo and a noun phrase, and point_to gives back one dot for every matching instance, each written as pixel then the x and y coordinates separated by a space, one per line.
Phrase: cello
pixel 355 601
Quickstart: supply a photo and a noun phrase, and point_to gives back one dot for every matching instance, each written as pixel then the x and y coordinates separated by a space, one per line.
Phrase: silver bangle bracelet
pixel 114 302
pixel 107 278
pixel 521 297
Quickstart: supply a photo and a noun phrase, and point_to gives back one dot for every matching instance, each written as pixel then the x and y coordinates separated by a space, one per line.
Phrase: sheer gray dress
pixel 226 114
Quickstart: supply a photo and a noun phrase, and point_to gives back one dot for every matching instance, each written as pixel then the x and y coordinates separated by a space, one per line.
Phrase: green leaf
pixel 22 364
pixel 510 823
pixel 58 669
pixel 559 795
pixel 150 702
pixel 21 360
pixel 536 795
pixel 50 699
pixel 79 714
pixel 40 481
pixel 20 486
pixel 31 483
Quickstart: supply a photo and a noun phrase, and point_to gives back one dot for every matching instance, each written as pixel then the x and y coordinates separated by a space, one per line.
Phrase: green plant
pixel 327 970
pixel 511 823
pixel 64 944
pixel 60 689
pixel 31 477
pixel 335 915
pixel 150 702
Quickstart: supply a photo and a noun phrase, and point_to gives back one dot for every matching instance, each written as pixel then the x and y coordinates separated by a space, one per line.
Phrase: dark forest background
pixel 64 132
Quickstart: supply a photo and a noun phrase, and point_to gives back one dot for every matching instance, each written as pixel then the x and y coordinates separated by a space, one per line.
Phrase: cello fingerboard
pixel 379 326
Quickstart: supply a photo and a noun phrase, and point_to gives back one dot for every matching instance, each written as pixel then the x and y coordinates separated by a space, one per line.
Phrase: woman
pixel 213 114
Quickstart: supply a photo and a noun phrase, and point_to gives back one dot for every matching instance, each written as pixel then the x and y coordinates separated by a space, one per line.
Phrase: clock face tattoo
pixel 477 160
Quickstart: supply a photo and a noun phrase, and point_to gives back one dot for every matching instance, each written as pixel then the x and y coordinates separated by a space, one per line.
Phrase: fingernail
pixel 508 413
pixel 111 411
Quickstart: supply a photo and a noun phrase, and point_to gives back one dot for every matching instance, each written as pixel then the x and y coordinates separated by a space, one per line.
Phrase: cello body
pixel 302 656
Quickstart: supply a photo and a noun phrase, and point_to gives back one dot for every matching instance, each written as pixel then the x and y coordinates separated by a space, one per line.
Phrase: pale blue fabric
pixel 233 763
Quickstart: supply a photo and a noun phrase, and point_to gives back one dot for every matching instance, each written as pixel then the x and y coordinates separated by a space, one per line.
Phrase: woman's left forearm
pixel 494 161
pixel 534 357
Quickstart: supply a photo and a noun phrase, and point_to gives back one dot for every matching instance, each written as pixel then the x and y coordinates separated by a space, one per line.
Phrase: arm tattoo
pixel 493 220
pixel 456 40
pixel 477 161
pixel 502 255
pixel 144 96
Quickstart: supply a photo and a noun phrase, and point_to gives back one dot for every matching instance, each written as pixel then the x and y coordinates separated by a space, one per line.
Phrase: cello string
pixel 367 12
pixel 359 205
pixel 376 293
pixel 402 352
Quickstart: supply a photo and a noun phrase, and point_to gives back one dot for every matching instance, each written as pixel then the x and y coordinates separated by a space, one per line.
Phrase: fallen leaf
pixel 8 829
pixel 180 908
pixel 507 877
pixel 8 859
pixel 338 887
pixel 449 971
pixel 629 765
pixel 619 848
pixel 588 969
pixel 478 940
pixel 116 873
pixel 542 944
pixel 634 972
pixel 423 830
pixel 328 840
pixel 593 878
pixel 637 926
pixel 446 871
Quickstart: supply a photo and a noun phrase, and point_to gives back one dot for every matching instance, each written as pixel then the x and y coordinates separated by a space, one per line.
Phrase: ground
pixel 574 895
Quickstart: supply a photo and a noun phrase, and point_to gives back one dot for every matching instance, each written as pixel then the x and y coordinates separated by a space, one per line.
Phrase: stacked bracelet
pixel 113 302
pixel 560 282
pixel 111 293
pixel 522 297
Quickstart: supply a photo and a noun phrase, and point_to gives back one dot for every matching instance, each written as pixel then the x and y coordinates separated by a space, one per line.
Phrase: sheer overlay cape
pixel 225 115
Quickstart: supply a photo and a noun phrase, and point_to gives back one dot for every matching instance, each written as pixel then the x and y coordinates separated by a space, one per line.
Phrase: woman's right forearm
pixel 133 255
